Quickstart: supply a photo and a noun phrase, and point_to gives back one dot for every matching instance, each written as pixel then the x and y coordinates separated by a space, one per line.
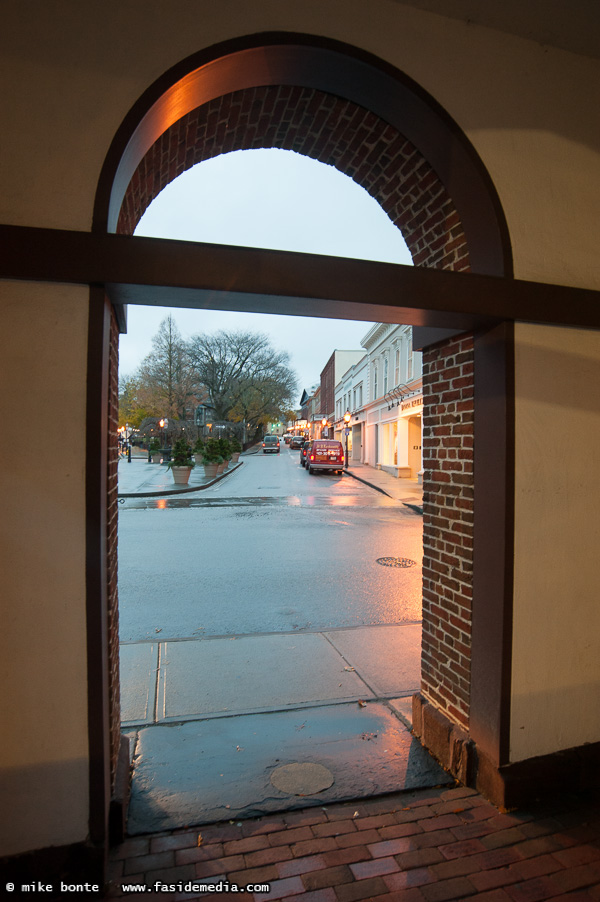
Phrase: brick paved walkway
pixel 425 846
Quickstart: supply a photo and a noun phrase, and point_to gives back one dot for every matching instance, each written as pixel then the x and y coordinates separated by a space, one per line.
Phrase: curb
pixel 186 491
pixel 365 482
pixel 415 507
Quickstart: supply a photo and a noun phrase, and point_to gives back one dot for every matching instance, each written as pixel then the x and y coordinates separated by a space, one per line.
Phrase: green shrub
pixel 181 455
pixel 211 453
pixel 224 448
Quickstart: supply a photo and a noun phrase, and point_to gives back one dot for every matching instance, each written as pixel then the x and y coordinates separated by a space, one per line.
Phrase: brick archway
pixel 360 144
pixel 448 214
pixel 326 128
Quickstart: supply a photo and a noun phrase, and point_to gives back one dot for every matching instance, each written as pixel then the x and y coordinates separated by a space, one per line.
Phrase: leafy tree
pixel 133 406
pixel 262 404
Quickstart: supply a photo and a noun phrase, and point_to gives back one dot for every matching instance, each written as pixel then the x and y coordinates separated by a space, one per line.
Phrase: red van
pixel 325 454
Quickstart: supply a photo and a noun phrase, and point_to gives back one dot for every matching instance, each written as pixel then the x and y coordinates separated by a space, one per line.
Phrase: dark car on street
pixel 270 443
pixel 296 441
pixel 304 451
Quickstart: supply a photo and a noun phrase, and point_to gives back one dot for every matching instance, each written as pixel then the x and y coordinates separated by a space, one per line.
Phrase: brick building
pixel 331 374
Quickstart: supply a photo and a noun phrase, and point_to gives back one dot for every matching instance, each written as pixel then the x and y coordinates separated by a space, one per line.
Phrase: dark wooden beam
pixel 96 565
pixel 160 272
pixel 493 545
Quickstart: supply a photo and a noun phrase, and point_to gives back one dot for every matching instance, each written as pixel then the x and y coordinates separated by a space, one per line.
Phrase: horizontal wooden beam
pixel 161 272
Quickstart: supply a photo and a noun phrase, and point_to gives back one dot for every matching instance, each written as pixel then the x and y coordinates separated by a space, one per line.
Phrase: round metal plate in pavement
pixel 395 562
pixel 302 779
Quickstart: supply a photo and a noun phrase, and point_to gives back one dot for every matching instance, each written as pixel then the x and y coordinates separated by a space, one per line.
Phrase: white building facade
pixel 384 395
pixel 350 396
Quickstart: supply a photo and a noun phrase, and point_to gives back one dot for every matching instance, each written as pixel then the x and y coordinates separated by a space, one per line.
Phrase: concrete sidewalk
pixel 138 478
pixel 211 720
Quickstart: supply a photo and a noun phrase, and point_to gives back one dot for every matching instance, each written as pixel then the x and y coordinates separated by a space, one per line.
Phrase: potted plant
pixel 211 459
pixel 225 451
pixel 236 449
pixel 153 449
pixel 181 463
pixel 198 450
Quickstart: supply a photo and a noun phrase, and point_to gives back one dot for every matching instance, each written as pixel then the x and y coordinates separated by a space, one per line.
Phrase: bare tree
pixel 246 379
pixel 168 384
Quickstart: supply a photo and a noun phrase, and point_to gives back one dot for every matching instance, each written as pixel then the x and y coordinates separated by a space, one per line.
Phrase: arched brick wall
pixel 328 129
pixel 392 170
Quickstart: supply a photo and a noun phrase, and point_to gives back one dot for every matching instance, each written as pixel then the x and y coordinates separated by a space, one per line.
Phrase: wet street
pixel 269 622
pixel 269 549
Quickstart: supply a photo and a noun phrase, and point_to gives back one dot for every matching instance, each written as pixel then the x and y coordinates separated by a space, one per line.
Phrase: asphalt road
pixel 269 549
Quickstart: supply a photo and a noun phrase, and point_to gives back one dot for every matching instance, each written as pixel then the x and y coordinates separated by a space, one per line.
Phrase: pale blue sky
pixel 267 198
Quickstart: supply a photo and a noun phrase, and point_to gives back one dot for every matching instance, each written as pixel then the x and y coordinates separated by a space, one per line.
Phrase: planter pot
pixel 226 464
pixel 220 467
pixel 198 459
pixel 211 470
pixel 235 456
pixel 181 475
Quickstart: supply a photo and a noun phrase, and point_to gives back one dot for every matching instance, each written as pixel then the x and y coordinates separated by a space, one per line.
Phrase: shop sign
pixel 413 402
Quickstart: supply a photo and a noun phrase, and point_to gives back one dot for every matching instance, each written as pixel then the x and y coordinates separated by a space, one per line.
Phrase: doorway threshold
pixel 220 769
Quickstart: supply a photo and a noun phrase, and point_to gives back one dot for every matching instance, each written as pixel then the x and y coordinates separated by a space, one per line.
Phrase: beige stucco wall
pixel 43 702
pixel 556 630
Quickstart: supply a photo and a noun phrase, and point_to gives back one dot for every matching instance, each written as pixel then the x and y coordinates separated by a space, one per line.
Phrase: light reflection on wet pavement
pixel 324 501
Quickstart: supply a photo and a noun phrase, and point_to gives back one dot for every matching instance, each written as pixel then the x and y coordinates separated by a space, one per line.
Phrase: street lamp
pixel 347 418
pixel 164 425
pixel 323 425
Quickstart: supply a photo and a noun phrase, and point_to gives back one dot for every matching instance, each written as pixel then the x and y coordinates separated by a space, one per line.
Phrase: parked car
pixel 304 451
pixel 287 437
pixel 296 441
pixel 270 443
pixel 325 454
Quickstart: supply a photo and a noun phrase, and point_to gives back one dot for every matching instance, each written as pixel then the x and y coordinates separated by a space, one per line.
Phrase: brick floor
pixel 426 846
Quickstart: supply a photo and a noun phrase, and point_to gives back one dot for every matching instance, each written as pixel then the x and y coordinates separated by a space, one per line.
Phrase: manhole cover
pixel 395 562
pixel 302 779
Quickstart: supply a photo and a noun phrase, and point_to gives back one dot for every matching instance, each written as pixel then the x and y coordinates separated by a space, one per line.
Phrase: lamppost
pixel 323 425
pixel 347 418
pixel 164 425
